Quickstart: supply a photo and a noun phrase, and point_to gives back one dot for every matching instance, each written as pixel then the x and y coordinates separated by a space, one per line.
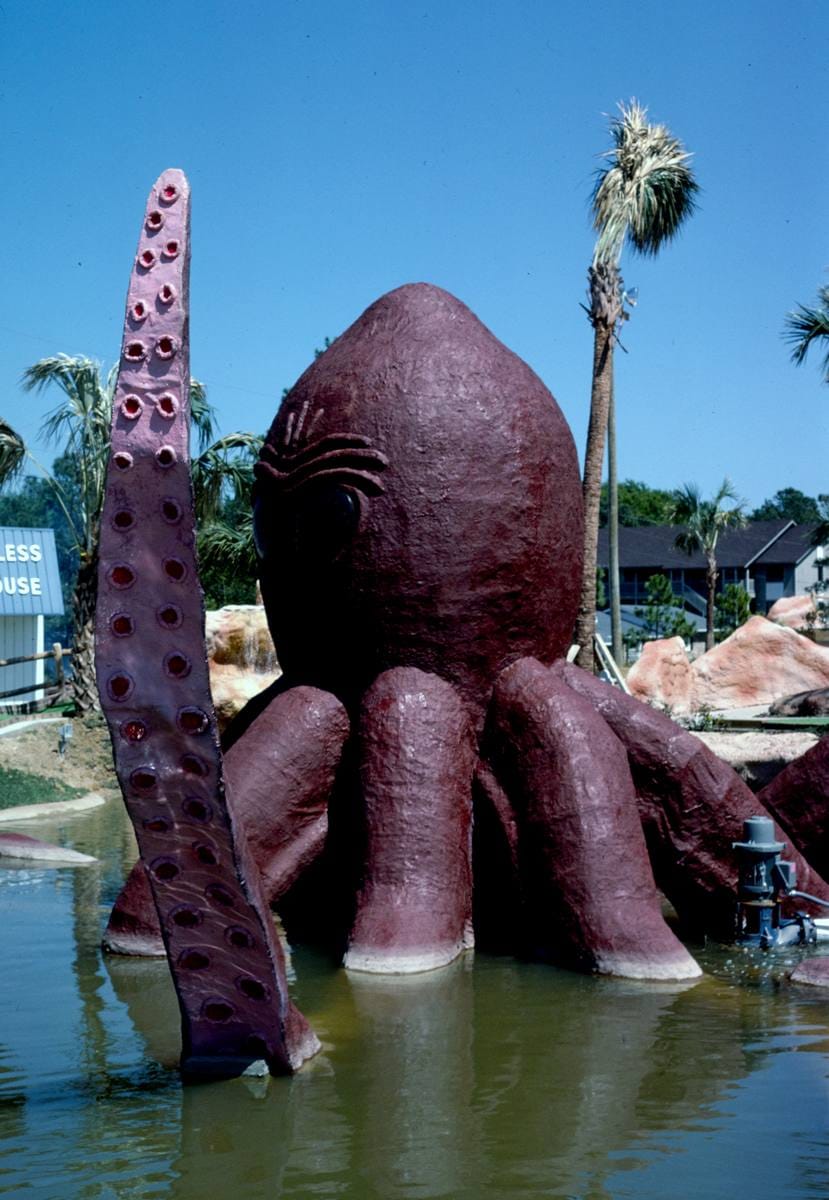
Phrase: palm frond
pixel 806 325
pixel 704 520
pixel 88 400
pixel 12 453
pixel 202 415
pixel 81 424
pixel 646 189
pixel 225 467
pixel 229 547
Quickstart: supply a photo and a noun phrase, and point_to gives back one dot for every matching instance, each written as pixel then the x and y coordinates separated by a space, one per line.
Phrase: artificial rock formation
pixel 240 656
pixel 663 675
pixel 417 512
pixel 814 703
pixel 792 611
pixel 760 663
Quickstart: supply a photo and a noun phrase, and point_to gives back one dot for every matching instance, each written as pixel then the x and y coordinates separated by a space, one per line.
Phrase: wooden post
pixel 57 650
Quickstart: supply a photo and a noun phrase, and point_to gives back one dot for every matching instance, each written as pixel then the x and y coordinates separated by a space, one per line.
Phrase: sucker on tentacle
pixel 225 959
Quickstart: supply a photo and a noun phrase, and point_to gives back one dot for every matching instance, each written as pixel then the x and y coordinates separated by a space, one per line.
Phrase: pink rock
pixel 760 663
pixel 663 675
pixel 241 658
pixel 232 687
pixel 791 611
pixel 238 635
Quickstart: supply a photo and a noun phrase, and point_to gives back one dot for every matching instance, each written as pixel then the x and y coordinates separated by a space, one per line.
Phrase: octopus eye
pixel 315 526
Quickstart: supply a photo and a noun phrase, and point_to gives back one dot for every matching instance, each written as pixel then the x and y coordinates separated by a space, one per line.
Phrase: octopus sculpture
pixel 428 770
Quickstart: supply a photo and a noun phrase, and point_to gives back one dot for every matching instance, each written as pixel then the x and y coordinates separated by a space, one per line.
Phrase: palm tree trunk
pixel 84 599
pixel 711 581
pixel 605 308
pixel 617 644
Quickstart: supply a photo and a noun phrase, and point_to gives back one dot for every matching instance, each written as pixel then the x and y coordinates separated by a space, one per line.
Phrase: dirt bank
pixel 87 763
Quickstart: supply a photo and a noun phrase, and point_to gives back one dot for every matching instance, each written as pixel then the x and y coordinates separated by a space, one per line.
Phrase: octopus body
pixel 428 765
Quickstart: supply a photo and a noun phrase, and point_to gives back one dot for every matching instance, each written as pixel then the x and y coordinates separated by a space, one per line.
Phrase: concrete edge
pixel 30 723
pixel 55 808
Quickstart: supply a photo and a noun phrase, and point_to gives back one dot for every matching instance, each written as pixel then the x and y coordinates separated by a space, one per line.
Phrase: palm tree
pixel 805 325
pixel 641 198
pixel 704 521
pixel 81 423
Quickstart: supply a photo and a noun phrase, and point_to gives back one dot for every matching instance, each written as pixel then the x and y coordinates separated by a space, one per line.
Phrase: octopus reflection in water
pixel 418 521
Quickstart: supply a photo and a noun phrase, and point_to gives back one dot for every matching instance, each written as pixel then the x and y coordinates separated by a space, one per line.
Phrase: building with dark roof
pixel 769 558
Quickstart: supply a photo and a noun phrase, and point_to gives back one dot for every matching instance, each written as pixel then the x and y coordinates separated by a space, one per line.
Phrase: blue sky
pixel 337 150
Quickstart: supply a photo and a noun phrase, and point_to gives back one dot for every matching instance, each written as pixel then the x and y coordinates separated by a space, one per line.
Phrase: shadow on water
pixel 487 1079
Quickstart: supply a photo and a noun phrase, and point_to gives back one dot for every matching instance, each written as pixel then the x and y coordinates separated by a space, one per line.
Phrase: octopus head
pixel 418 504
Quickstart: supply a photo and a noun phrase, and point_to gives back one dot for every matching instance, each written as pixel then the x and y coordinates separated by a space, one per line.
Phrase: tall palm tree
pixel 81 424
pixel 704 521
pixel 804 327
pixel 807 325
pixel 642 195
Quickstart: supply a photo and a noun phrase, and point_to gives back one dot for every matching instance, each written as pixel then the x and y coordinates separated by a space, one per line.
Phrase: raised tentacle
pixel 414 910
pixel 590 898
pixel 692 806
pixel 226 962
pixel 280 772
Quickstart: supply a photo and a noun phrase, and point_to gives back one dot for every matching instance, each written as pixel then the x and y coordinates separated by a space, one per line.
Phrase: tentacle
pixel 226 962
pixel 591 901
pixel 416 762
pixel 281 772
pixel 692 807
pixel 133 926
pixel 799 799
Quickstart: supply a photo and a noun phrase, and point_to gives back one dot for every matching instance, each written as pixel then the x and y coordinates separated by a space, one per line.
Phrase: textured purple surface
pixel 799 799
pixel 280 772
pixel 692 806
pixel 226 961
pixel 590 899
pixel 419 505
pixel 418 517
pixel 417 756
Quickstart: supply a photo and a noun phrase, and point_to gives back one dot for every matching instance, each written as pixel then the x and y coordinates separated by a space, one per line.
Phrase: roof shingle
pixel 654 546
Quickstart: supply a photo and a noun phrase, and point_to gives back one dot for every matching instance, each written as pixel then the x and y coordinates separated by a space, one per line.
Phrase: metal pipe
pixel 811 899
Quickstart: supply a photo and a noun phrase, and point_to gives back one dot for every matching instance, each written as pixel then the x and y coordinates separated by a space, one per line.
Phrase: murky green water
pixel 488 1080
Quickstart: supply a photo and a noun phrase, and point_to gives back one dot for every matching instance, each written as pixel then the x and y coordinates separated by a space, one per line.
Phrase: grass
pixel 17 787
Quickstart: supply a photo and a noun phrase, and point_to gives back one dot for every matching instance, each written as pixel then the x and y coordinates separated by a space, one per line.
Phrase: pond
pixel 491 1079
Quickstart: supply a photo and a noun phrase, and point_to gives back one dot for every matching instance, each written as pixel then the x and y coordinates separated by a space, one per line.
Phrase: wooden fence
pixel 52 691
